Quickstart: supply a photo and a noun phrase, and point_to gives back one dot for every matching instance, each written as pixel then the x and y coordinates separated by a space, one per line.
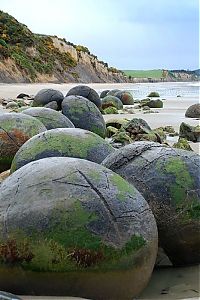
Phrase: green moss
pixel 153 94
pixel 123 187
pixel 182 144
pixel 183 179
pixel 110 110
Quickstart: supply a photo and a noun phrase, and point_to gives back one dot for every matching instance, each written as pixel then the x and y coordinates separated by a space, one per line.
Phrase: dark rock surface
pixel 86 92
pixel 169 180
pixel 114 101
pixel 84 114
pixel 190 133
pixel 46 96
pixel 193 111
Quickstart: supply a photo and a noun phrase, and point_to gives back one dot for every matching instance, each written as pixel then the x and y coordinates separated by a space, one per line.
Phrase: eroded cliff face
pixel 87 68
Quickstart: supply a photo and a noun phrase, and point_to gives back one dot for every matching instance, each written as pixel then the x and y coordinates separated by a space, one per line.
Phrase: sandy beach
pixel 166 283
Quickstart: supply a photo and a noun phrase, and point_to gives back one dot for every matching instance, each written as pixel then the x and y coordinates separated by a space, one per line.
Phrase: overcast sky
pixel 128 34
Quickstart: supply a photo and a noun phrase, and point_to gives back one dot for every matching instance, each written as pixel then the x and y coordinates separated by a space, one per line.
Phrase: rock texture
pixel 15 130
pixel 193 111
pixel 169 180
pixel 71 142
pixel 78 217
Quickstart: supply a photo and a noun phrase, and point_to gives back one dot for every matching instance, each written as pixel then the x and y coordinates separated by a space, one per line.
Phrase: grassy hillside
pixel 144 73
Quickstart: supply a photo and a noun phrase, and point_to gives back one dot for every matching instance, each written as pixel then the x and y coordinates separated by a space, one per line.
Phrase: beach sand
pixel 166 283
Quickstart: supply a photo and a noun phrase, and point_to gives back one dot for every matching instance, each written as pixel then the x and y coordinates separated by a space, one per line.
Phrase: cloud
pixel 127 34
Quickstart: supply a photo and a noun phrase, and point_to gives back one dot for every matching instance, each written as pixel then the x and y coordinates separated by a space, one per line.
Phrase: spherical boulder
pixel 80 227
pixel 68 142
pixel 193 111
pixel 86 92
pixel 113 92
pixel 169 180
pixel 84 114
pixel 113 101
pixel 49 117
pixel 125 97
pixel 15 130
pixel 104 93
pixel 46 96
pixel 155 103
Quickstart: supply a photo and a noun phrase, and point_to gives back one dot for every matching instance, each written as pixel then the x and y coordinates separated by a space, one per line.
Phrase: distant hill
pixel 29 57
pixel 162 75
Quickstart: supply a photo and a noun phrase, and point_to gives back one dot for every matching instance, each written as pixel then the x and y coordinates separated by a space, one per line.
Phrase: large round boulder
pixel 169 180
pixel 125 97
pixel 46 96
pixel 113 92
pixel 68 142
pixel 112 101
pixel 49 117
pixel 193 111
pixel 104 93
pixel 77 225
pixel 84 114
pixel 15 130
pixel 86 92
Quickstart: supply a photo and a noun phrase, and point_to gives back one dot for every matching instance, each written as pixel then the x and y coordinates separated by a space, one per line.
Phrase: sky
pixel 127 34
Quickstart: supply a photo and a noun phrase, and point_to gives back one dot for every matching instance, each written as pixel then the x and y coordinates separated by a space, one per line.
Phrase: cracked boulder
pixel 84 114
pixel 86 92
pixel 15 130
pixel 111 101
pixel 76 220
pixel 46 96
pixel 68 142
pixel 169 180
pixel 49 117
pixel 104 93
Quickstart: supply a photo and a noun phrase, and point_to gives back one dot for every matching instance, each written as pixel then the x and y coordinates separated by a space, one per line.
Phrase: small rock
pixel 12 105
pixel 191 133
pixel 22 95
pixel 182 144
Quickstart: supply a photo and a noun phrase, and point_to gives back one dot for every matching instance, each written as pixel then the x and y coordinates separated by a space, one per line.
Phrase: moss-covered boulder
pixel 113 101
pixel 110 110
pixel 46 96
pixel 84 114
pixel 15 130
pixel 125 97
pixel 190 133
pixel 78 226
pixel 49 117
pixel 154 103
pixel 116 122
pixel 86 92
pixel 182 144
pixel 169 180
pixel 154 94
pixel 193 111
pixel 104 93
pixel 68 142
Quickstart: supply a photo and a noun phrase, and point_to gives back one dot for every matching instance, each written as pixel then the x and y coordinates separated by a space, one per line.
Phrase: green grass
pixel 144 73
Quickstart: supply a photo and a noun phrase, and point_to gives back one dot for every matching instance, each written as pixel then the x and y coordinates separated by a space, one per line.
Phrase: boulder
pixel 113 92
pixel 153 94
pixel 84 114
pixel 125 97
pixel 104 93
pixel 52 105
pixel 15 130
pixel 193 111
pixel 116 122
pixel 113 101
pixel 12 105
pixel 182 144
pixel 68 142
pixel 49 117
pixel 86 92
pixel 154 103
pixel 190 133
pixel 110 110
pixel 169 180
pixel 22 95
pixel 77 226
pixel 46 96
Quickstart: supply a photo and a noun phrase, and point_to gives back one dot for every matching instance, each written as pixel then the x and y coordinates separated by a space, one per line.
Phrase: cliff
pixel 29 57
